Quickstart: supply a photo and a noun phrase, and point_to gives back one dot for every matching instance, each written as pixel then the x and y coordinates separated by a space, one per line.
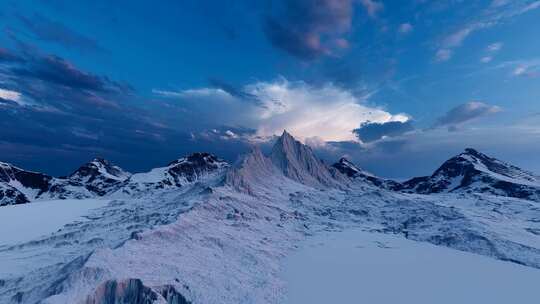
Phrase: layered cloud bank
pixel 327 113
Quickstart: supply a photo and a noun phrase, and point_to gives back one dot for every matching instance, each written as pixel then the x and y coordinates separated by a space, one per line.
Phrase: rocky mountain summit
pixel 474 172
pixel 349 169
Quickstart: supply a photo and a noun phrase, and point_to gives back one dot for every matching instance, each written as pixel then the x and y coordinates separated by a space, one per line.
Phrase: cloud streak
pixel 465 113
pixel 496 13
pixel 51 31
pixel 373 131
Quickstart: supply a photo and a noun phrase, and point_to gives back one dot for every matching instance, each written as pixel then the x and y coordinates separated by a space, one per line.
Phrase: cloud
pixel 522 68
pixel 491 50
pixel 421 153
pixel 465 113
pixel 10 95
pixel 56 70
pixel 307 111
pixel 495 47
pixel 8 56
pixel 496 13
pixel 443 55
pixel 373 131
pixel 309 29
pixel 405 28
pixel 372 7
pixel 48 82
pixel 48 30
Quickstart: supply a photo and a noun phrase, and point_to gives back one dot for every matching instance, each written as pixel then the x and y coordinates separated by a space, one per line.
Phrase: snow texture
pixel 201 231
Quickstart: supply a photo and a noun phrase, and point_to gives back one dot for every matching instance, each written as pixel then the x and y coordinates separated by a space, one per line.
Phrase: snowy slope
pixel 15 218
pixel 210 233
pixel 356 266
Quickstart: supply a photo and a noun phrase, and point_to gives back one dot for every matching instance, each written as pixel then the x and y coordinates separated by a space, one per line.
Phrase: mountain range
pixel 468 172
pixel 200 230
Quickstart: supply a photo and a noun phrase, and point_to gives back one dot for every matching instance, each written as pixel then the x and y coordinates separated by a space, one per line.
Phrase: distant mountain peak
pixel 298 162
pixel 99 168
pixel 473 171
pixel 347 167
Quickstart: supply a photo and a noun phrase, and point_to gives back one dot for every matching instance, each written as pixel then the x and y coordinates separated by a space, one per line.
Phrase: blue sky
pixel 397 86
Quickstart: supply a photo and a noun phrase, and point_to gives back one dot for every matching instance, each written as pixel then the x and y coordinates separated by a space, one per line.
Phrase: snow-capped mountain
pixel 100 178
pixel 193 168
pixel 298 162
pixel 21 185
pixel 207 232
pixel 96 178
pixel 349 169
pixel 474 172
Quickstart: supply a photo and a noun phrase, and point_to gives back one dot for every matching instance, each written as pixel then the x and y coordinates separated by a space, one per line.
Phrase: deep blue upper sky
pixel 398 86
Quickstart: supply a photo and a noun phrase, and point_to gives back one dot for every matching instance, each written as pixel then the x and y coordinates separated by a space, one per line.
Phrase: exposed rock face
pixel 298 162
pixel 11 196
pixel 472 171
pixel 130 291
pixel 193 168
pixel 99 176
pixel 349 169
pixel 133 291
pixel 253 168
pixel 96 178
pixel 30 184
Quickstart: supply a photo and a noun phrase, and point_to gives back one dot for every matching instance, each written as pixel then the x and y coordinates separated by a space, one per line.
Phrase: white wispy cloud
pixel 10 95
pixel 496 13
pixel 491 51
pixel 372 7
pixel 405 28
pixel 527 68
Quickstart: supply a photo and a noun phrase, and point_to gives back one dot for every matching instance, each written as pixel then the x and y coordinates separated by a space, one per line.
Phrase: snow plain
pixel 356 266
pixel 22 223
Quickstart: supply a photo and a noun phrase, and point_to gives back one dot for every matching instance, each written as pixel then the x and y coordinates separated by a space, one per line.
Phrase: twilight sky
pixel 397 86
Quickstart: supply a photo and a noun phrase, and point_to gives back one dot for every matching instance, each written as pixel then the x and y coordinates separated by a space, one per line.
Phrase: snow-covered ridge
pixel 474 172
pixel 349 169
pixel 193 168
pixel 99 178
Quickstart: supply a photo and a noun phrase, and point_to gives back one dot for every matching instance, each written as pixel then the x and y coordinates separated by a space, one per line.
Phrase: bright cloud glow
pixel 328 113
pixel 10 95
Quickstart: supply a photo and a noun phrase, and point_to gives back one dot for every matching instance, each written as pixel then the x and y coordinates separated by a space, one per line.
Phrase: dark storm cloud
pixel 53 82
pixel 65 116
pixel 465 113
pixel 308 29
pixel 56 70
pixel 234 91
pixel 373 131
pixel 48 30
pixel 8 56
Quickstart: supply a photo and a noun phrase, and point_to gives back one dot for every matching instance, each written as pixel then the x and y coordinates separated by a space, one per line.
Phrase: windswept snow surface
pixel 356 266
pixel 23 223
